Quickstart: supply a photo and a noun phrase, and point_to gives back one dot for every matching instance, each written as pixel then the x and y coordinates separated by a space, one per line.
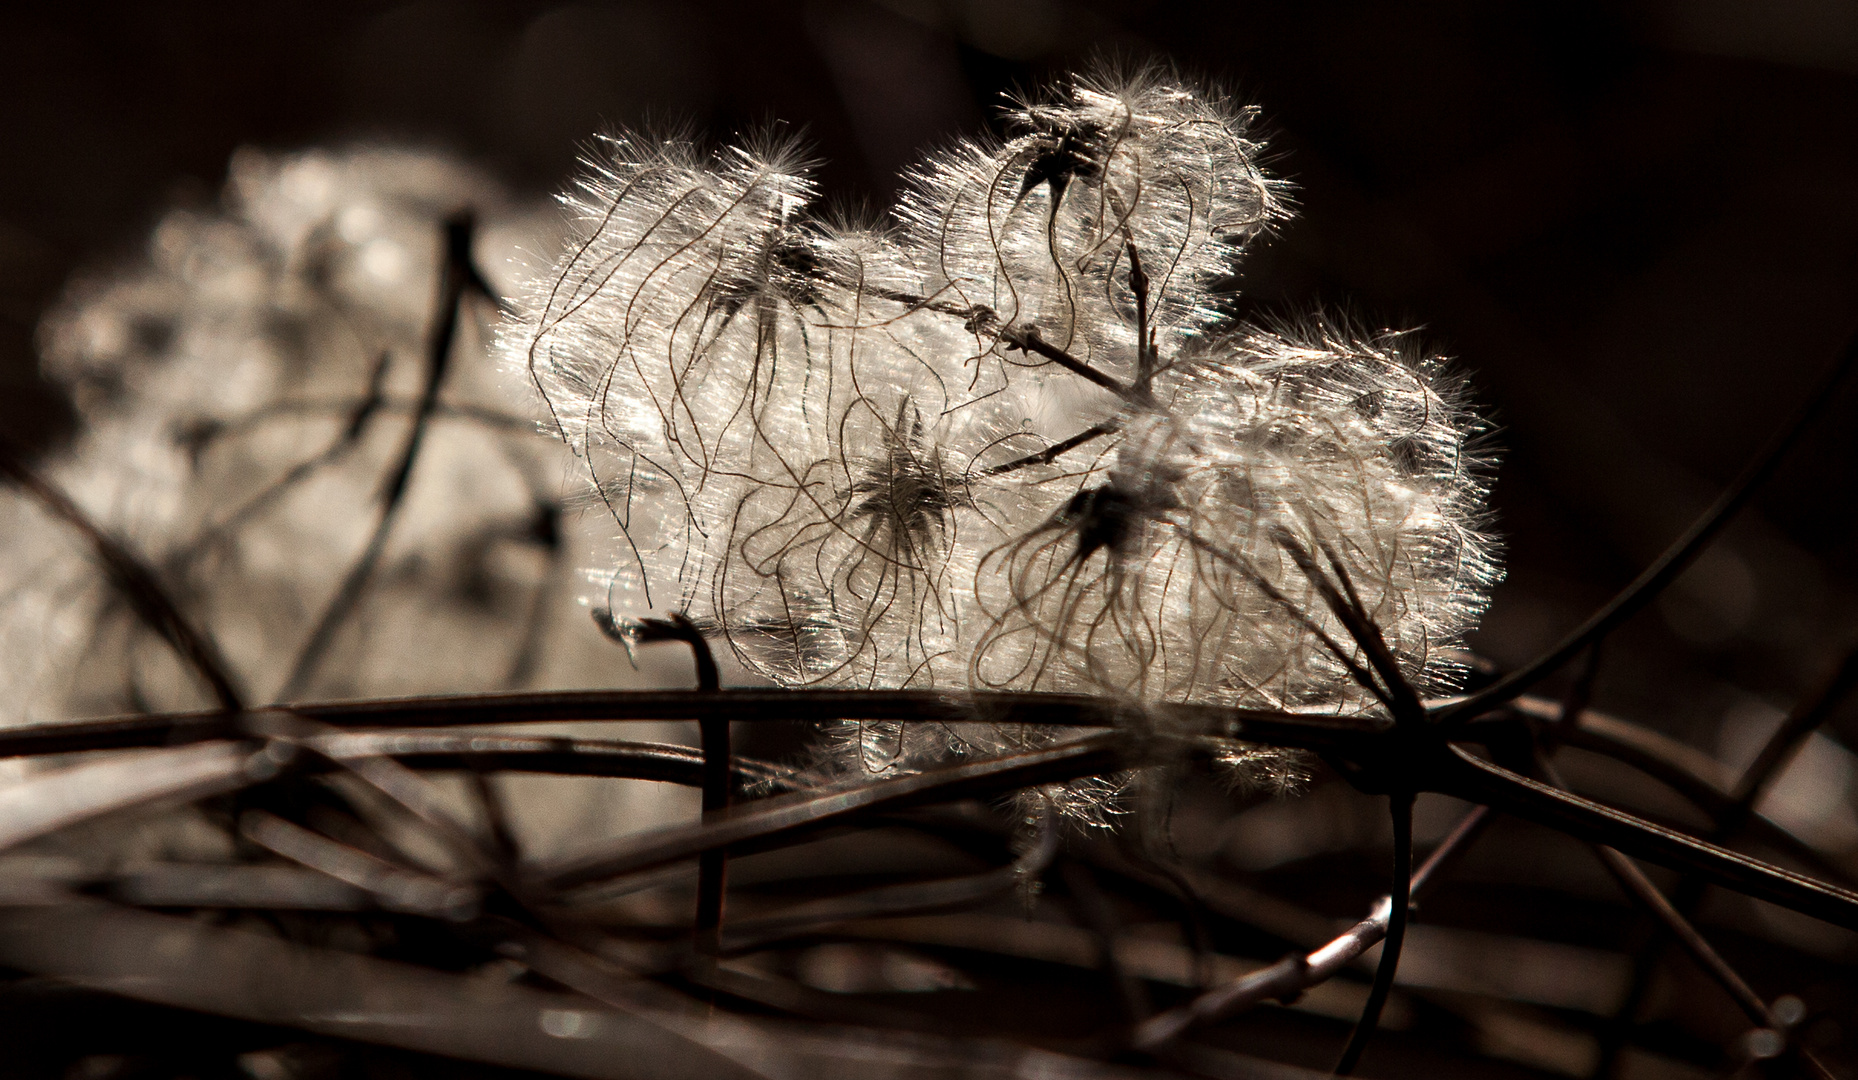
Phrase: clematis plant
pixel 1007 439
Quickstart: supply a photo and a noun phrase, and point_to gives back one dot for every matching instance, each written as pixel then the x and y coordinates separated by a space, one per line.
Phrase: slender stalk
pixel 713 734
pixel 769 820
pixel 1734 813
pixel 1298 972
pixel 1023 338
pixel 1647 895
pixel 1326 734
pixel 1055 450
pixel 1401 806
pixel 1481 781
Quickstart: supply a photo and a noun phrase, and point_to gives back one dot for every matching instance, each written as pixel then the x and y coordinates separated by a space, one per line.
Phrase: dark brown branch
pixel 713 734
pixel 1732 811
pixel 1055 450
pixel 1027 339
pixel 564 756
pixel 1673 922
pixel 1373 745
pixel 1310 732
pixel 1689 772
pixel 913 898
pixel 772 818
pixel 1481 781
pixel 1024 338
pixel 397 888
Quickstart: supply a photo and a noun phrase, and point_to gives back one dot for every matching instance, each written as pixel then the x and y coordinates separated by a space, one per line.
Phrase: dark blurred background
pixel 1635 225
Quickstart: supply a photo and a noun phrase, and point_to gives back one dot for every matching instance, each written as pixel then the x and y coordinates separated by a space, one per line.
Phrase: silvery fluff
pixel 1007 439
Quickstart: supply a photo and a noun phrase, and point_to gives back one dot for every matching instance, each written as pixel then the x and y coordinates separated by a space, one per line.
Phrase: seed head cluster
pixel 1005 440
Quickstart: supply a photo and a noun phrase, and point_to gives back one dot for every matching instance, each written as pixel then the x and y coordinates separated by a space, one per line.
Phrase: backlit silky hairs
pixel 1006 442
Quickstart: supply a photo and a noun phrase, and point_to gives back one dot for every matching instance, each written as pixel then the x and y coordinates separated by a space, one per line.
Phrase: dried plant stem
pixel 713 732
pixel 769 819
pixel 1428 765
pixel 1054 451
pixel 1399 908
pixel 914 898
pixel 1481 781
pixel 1298 972
pixel 1647 895
pixel 1735 812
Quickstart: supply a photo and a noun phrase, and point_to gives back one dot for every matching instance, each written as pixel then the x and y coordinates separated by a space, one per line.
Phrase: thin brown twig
pixel 1399 907
pixel 769 819
pixel 457 276
pixel 1298 972
pixel 1442 766
pixel 1733 812
pixel 1647 895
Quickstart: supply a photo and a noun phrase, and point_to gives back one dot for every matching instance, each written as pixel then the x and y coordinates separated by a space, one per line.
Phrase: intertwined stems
pixel 1730 815
pixel 777 820
pixel 1298 972
pixel 1444 767
pixel 1648 896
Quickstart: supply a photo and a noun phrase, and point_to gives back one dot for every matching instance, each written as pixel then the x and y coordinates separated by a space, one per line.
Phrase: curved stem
pixel 1401 806
pixel 1298 972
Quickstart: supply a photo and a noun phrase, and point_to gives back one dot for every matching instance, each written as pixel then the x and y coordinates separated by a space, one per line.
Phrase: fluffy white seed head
pixel 1007 442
